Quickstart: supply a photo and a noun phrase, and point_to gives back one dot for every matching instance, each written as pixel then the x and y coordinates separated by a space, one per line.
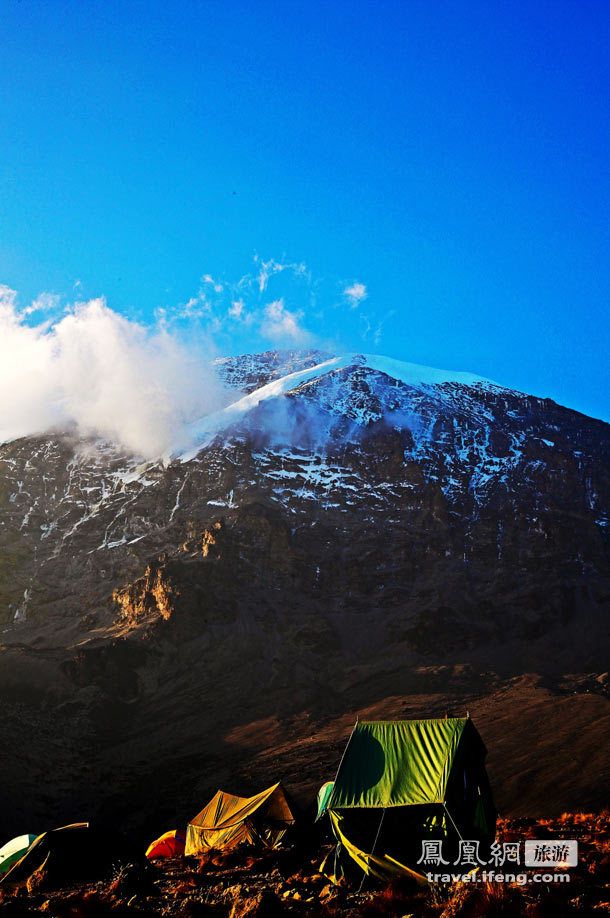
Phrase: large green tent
pixel 401 783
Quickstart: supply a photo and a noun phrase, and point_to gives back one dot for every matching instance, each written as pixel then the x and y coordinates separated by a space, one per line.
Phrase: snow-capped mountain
pixel 343 521
pixel 357 436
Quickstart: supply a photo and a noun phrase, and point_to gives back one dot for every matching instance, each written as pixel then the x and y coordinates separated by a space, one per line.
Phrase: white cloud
pixel 379 330
pixel 208 279
pixel 96 370
pixel 365 327
pixel 45 302
pixel 8 301
pixel 355 294
pixel 237 309
pixel 281 325
pixel 269 268
pixel 195 308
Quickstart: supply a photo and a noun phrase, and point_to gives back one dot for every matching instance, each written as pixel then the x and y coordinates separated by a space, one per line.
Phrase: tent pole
pixel 452 820
pixel 344 751
pixel 373 848
pixel 337 775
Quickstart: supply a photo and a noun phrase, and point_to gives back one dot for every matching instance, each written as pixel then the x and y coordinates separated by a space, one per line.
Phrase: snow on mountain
pixel 246 372
pixel 200 433
pixel 355 435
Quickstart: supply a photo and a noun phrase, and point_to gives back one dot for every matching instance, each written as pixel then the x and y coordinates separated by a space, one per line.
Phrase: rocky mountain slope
pixel 349 532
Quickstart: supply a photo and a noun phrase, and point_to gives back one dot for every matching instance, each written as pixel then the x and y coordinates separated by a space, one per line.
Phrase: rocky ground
pixel 288 882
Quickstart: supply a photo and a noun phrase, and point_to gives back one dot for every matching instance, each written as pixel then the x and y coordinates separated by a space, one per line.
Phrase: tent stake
pixel 373 849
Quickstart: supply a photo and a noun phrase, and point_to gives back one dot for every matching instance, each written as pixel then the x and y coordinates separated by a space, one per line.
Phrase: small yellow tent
pixel 228 820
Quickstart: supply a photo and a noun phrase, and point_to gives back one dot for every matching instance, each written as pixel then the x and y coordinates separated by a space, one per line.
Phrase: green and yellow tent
pixel 404 782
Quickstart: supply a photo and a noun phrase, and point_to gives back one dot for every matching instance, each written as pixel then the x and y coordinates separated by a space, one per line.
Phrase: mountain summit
pixel 362 382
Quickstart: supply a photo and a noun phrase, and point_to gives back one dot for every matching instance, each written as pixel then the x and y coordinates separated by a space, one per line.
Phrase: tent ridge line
pixel 341 763
pixel 409 720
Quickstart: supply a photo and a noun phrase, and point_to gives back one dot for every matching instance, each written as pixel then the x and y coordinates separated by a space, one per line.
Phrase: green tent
pixel 323 798
pixel 401 783
pixel 14 850
pixel 72 855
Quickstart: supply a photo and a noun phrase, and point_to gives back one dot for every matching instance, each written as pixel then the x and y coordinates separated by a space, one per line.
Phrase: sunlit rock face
pixel 343 519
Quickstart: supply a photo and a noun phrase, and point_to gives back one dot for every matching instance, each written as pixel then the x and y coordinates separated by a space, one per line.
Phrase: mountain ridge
pixel 410 374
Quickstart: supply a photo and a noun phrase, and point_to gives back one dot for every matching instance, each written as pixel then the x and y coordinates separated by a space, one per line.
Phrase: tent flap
pixel 380 865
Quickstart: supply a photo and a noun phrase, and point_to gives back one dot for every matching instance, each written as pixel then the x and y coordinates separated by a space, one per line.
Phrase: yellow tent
pixel 228 820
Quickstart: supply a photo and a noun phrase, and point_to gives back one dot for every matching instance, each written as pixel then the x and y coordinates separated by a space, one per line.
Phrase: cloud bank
pixel 87 368
pixel 95 370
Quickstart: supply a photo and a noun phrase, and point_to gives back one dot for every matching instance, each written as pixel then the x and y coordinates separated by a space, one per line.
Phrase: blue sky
pixel 448 163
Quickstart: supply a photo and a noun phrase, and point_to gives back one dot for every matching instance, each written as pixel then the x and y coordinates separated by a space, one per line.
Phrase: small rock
pixel 233 892
pixel 317 879
pixel 263 905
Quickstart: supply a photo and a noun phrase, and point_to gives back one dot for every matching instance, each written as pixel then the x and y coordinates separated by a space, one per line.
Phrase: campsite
pixel 304 459
pixel 399 786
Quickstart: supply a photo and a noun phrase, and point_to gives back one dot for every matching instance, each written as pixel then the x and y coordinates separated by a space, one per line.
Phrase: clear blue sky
pixel 453 157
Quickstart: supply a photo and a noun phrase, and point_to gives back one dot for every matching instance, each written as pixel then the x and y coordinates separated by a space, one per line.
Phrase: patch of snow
pixel 224 503
pixel 21 611
pixel 177 504
pixel 203 431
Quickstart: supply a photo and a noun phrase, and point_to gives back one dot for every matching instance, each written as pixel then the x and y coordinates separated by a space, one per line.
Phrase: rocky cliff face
pixel 346 530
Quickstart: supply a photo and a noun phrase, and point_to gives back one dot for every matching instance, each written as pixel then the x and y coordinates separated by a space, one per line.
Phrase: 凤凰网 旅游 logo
pixel 545 854
pixel 550 853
